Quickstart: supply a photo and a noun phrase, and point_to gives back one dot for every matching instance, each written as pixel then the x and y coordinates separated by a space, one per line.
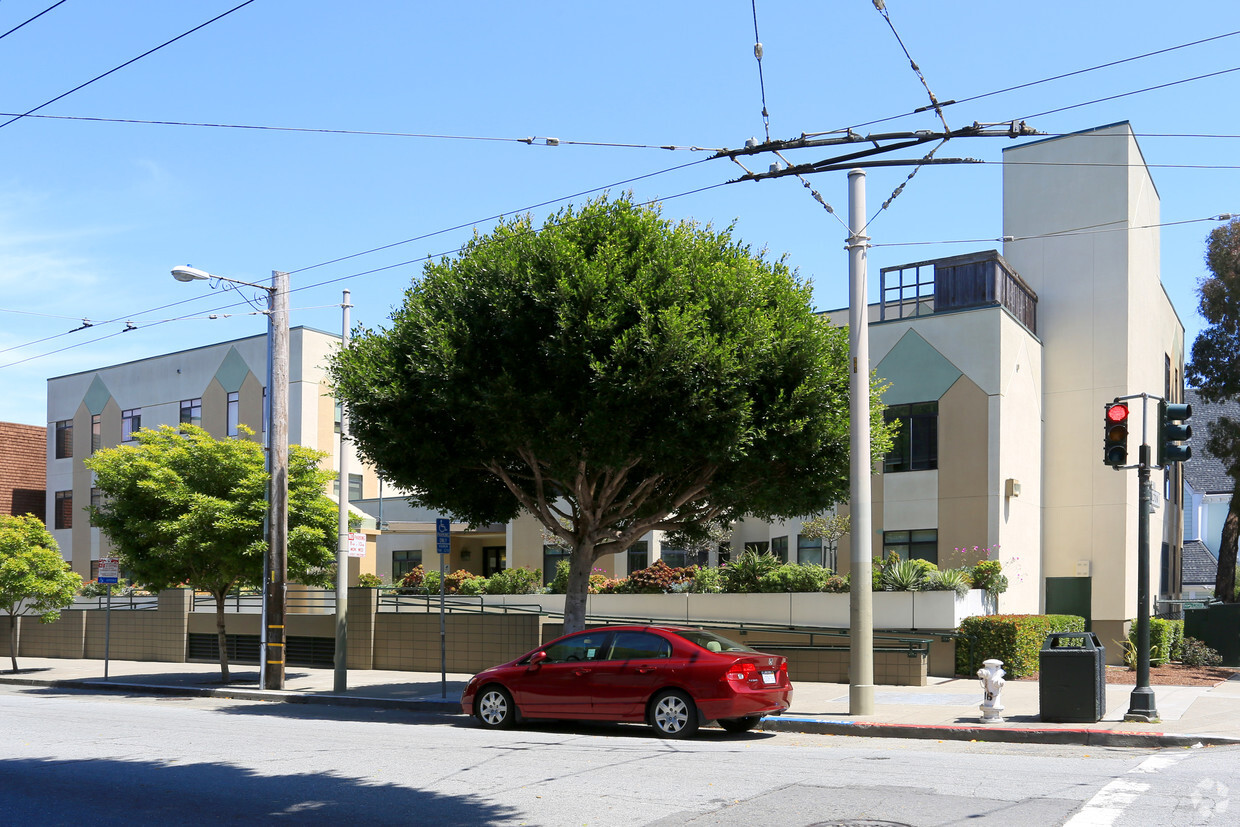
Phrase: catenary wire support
pixel 934 102
pixel 757 53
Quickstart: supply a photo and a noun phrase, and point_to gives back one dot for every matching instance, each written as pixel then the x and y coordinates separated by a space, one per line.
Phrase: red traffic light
pixel 1115 435
pixel 1117 412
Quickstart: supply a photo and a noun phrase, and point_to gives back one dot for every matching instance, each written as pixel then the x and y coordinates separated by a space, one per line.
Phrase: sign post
pixel 443 545
pixel 109 573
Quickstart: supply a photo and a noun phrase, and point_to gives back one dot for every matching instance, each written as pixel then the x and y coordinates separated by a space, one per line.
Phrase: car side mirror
pixel 537 658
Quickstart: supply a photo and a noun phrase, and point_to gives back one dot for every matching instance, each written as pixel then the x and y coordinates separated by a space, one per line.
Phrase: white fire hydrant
pixel 991 675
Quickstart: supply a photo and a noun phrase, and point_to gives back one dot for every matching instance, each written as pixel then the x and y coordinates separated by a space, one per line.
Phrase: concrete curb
pixel 995 734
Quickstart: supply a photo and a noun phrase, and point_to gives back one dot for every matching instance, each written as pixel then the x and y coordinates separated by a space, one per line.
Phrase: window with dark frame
pixel 552 555
pixel 64 510
pixel 809 551
pixel 779 547
pixel 638 556
pixel 234 412
pixel 131 423
pixel 64 439
pixel 191 412
pixel 96 432
pixel 916 544
pixel 405 561
pixel 915 446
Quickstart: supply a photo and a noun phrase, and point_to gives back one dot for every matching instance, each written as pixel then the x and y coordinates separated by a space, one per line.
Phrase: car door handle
pixel 580 672
pixel 643 670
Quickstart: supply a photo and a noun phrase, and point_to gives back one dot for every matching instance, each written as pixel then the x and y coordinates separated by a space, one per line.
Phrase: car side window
pixel 639 646
pixel 581 647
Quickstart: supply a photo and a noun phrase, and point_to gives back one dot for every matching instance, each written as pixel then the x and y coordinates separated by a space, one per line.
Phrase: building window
pixel 191 412
pixel 920 544
pixel 552 555
pixel 758 546
pixel 638 556
pixel 64 439
pixel 779 547
pixel 915 446
pixel 404 562
pixel 96 499
pixel 677 558
pixel 338 414
pixel 64 510
pixel 355 487
pixel 494 558
pixel 809 551
pixel 96 432
pixel 131 423
pixel 234 410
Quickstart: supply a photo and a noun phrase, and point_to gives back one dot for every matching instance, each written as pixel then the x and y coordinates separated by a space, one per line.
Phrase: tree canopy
pixel 612 373
pixel 182 507
pixel 1215 371
pixel 33 575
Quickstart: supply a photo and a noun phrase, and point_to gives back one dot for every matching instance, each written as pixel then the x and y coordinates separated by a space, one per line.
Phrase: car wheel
pixel 673 714
pixel 740 724
pixel 495 709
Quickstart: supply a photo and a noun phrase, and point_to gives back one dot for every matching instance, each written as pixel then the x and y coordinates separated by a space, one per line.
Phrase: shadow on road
pixel 114 791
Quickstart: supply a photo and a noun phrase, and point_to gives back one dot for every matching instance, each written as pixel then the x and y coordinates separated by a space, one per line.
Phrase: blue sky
pixel 94 213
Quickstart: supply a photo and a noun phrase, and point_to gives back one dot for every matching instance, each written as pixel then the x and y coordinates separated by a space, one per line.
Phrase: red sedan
pixel 669 677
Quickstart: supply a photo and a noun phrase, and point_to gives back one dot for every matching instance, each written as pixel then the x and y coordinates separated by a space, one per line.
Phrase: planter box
pixel 937 611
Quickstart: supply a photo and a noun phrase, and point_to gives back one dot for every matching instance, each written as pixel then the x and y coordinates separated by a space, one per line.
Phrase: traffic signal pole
pixel 1141 702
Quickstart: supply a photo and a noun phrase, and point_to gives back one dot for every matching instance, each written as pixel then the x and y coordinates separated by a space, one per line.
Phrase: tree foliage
pixel 182 507
pixel 611 373
pixel 33 576
pixel 1215 371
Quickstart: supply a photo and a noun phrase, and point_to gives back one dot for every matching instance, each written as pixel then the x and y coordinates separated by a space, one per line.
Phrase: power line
pixel 934 102
pixel 1135 92
pixel 1078 231
pixel 32 19
pixel 530 141
pixel 757 53
pixel 123 65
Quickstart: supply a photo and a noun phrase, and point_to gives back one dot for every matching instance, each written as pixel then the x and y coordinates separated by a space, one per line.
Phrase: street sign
pixel 443 536
pixel 357 544
pixel 109 570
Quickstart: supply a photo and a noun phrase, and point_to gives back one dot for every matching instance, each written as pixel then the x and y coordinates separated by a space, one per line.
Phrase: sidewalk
pixel 946 709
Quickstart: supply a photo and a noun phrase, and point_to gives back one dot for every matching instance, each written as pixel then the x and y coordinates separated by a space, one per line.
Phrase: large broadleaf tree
pixel 1214 370
pixel 610 372
pixel 184 508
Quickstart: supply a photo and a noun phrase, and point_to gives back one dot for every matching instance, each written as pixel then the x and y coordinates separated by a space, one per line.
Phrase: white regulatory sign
pixel 357 544
pixel 109 569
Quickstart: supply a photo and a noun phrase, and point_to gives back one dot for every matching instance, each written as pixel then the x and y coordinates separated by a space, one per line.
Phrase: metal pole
pixel 443 629
pixel 1141 702
pixel 861 596
pixel 262 585
pixel 277 543
pixel 107 632
pixel 341 661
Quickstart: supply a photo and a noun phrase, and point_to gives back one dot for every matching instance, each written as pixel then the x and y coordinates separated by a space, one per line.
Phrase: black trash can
pixel 1072 680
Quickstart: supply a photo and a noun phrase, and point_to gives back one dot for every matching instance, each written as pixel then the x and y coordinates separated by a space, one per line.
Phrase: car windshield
pixel 712 642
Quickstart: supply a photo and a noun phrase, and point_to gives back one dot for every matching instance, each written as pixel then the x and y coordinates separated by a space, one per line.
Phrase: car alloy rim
pixel 492 708
pixel 671 715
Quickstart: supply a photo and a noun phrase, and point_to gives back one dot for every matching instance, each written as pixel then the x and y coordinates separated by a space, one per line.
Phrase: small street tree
pixel 1215 372
pixel 184 508
pixel 33 576
pixel 611 373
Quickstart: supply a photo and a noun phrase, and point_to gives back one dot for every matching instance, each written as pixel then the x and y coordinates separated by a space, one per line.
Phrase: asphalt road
pixel 69 757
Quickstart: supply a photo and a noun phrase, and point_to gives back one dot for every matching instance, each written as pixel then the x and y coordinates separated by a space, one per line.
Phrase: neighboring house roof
pixel 1205 472
pixel 1198 566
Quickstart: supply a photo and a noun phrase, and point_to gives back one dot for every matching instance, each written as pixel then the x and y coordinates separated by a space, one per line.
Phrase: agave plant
pixel 905 576
pixel 948 580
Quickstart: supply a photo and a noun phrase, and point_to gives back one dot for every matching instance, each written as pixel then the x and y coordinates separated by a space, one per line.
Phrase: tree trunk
pixel 1225 580
pixel 13 638
pixel 221 635
pixel 579 566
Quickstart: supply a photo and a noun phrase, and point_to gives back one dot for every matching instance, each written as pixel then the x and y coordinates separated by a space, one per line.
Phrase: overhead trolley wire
pixel 32 19
pixel 123 65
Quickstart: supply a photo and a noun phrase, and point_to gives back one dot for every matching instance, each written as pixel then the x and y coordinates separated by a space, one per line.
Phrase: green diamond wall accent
pixel 917 372
pixel 97 396
pixel 232 371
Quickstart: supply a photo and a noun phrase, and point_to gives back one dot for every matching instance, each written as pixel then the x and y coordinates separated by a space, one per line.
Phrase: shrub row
pixel 1014 639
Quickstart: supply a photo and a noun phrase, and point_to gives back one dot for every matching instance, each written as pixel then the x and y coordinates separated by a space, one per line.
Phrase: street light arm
pixel 187 273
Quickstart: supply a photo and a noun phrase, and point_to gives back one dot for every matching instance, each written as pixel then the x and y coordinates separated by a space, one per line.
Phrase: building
pixel 23 469
pixel 219 387
pixel 1207 498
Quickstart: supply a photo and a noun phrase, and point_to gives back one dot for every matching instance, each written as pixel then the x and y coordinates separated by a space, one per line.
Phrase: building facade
pixel 23 470
pixel 220 387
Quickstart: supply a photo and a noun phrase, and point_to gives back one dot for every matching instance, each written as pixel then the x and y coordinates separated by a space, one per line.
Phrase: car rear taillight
pixel 741 672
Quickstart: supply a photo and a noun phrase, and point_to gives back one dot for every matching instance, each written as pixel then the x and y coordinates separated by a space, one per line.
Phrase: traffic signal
pixel 1115 435
pixel 1172 430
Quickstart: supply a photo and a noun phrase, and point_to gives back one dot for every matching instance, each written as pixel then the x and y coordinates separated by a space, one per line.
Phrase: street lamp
pixel 275 565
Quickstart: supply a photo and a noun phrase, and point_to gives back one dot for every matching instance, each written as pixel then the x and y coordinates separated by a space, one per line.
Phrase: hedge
pixel 1014 639
pixel 1165 638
